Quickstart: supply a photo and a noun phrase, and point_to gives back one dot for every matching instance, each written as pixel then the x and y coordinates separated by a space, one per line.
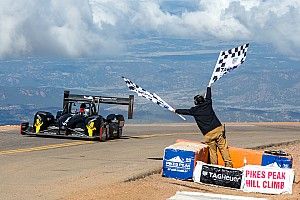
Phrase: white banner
pixel 270 180
pixel 217 175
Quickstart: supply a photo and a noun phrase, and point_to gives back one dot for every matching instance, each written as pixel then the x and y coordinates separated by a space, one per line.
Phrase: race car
pixel 80 119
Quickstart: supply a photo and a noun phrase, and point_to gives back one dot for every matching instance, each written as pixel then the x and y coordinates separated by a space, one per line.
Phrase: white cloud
pixel 78 27
pixel 62 28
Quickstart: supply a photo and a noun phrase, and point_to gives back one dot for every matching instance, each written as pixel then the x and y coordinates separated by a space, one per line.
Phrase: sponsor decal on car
pixel 38 123
pixel 91 127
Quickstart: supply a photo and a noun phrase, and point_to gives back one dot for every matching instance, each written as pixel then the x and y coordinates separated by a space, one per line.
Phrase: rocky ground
pixel 157 187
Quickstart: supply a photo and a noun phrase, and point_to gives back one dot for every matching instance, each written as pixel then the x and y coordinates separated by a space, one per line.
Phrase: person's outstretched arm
pixel 183 111
pixel 208 93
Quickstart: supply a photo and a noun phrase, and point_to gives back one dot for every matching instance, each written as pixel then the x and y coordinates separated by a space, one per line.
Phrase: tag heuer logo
pixel 234 60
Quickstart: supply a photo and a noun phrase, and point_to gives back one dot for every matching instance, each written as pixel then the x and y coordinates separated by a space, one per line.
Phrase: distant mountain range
pixel 265 88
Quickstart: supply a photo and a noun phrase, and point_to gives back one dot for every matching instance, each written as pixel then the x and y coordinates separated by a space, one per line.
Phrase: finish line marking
pixel 209 196
pixel 40 148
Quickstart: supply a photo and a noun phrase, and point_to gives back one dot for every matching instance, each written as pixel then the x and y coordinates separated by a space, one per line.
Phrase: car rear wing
pixel 101 99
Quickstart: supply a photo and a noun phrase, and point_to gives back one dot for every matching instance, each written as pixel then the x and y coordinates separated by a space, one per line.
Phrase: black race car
pixel 80 119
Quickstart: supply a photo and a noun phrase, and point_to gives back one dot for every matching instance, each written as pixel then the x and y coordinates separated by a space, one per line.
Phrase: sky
pixel 77 28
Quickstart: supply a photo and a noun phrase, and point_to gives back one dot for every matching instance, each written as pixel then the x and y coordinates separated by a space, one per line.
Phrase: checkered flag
pixel 148 95
pixel 228 61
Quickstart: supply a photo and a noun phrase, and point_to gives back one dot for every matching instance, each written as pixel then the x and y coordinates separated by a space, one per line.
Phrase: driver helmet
pixel 82 108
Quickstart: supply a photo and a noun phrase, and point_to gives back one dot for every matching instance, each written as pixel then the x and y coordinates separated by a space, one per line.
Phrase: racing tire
pixel 42 120
pixel 103 134
pixel 24 127
pixel 110 117
pixel 113 128
pixel 119 133
pixel 121 122
pixel 120 117
pixel 93 125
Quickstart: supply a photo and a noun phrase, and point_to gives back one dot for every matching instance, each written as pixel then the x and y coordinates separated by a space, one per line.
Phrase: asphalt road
pixel 48 168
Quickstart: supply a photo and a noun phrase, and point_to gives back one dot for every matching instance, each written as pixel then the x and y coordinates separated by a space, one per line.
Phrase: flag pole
pixel 148 95
pixel 181 116
pixel 171 108
pixel 212 75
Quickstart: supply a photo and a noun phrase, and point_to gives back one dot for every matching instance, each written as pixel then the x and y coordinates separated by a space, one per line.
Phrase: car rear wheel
pixel 119 133
pixel 42 120
pixel 93 125
pixel 103 134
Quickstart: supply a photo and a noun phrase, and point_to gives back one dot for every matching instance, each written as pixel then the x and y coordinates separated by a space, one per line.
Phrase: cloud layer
pixel 96 27
pixel 56 28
